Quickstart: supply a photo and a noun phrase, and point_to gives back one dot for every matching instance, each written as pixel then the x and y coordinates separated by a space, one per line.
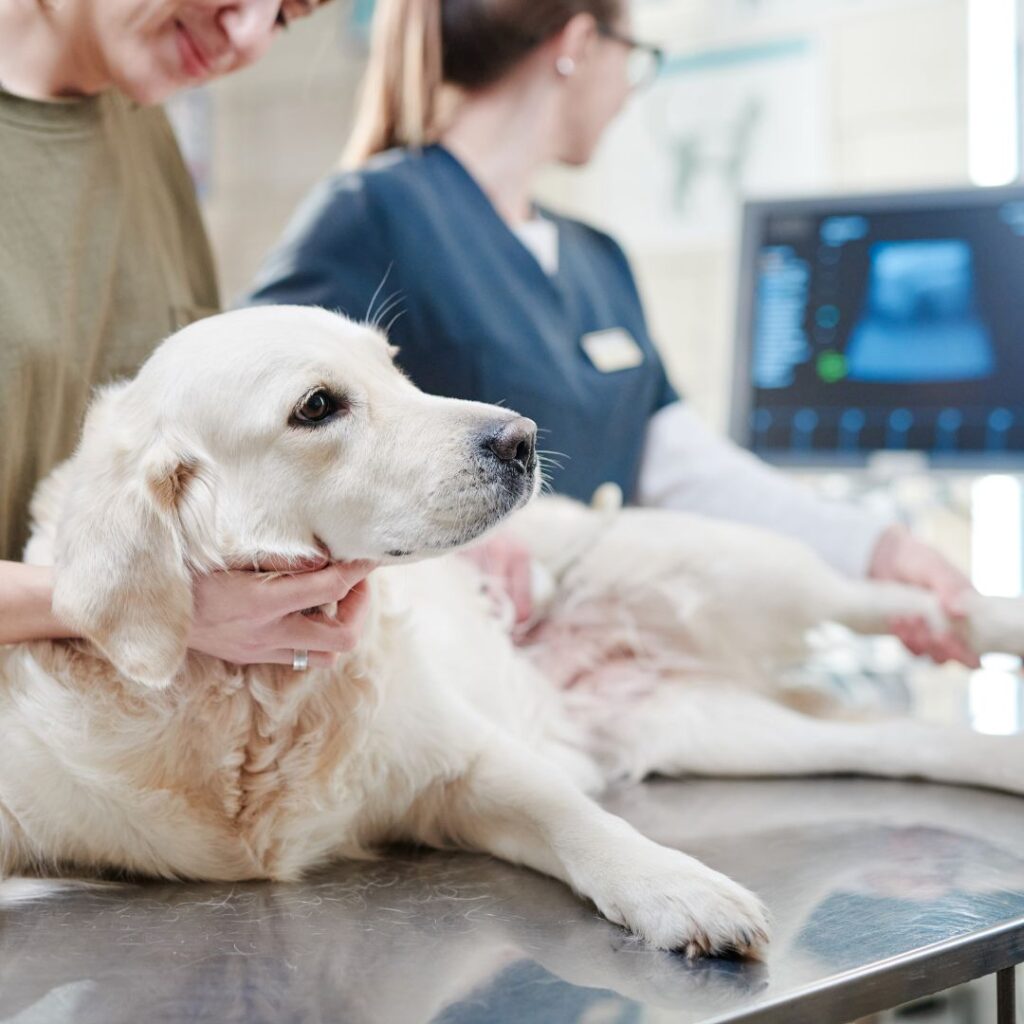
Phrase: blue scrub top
pixel 479 318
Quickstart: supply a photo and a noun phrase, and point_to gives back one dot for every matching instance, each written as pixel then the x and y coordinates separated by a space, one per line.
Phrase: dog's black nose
pixel 515 443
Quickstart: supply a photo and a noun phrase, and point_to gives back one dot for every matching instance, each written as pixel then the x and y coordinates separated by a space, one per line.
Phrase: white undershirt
pixel 540 236
pixel 688 467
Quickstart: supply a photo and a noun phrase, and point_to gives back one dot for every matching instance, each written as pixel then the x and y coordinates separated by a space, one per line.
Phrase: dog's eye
pixel 316 408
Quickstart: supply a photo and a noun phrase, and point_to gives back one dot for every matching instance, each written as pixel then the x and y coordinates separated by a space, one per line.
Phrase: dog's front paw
pixel 677 903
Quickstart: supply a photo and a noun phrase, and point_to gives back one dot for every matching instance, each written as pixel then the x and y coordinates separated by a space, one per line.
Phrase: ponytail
pixel 399 95
pixel 417 47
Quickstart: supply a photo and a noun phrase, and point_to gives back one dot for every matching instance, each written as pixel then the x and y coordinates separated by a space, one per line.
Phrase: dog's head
pixel 275 430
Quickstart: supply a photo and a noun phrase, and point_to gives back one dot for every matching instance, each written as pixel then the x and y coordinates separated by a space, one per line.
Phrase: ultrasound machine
pixel 883 324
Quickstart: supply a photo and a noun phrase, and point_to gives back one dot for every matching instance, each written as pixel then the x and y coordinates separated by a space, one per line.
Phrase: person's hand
pixel 247 618
pixel 505 561
pixel 900 557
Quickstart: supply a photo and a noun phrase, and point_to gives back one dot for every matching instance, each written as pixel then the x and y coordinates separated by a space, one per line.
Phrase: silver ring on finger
pixel 300 660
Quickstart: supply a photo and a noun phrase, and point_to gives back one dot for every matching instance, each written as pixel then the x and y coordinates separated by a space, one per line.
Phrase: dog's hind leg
pixel 868 606
pixel 988 624
pixel 688 729
pixel 995 623
pixel 512 803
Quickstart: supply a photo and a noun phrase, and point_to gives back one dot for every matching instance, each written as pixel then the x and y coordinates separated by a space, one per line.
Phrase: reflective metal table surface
pixel 881 892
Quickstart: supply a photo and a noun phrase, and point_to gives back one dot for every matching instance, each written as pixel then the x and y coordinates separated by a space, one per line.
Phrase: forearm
pixel 26 592
pixel 688 467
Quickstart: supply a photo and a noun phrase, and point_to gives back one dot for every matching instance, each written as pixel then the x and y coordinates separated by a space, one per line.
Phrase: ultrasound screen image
pixel 920 320
pixel 889 330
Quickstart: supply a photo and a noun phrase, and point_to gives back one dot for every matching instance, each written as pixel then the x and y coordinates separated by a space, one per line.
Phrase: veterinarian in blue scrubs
pixel 431 231
pixel 104 255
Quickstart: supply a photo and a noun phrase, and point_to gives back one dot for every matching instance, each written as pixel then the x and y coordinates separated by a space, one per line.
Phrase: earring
pixel 565 66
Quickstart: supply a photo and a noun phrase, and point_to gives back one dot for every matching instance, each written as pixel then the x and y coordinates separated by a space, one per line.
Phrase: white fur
pixel 124 752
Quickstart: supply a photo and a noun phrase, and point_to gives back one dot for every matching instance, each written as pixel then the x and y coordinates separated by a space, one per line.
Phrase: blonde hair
pixel 419 46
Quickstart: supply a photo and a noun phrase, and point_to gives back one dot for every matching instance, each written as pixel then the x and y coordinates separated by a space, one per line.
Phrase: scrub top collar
pixel 503 230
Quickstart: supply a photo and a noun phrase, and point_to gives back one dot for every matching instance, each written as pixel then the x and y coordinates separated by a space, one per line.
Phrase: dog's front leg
pixel 515 805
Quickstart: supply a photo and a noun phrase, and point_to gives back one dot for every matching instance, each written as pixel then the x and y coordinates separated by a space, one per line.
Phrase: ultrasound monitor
pixel 890 323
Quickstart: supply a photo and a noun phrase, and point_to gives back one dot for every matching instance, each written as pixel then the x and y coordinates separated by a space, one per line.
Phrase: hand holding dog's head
pixel 276 430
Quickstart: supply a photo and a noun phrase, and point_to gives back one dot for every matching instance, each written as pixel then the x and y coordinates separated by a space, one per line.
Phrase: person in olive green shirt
pixel 102 255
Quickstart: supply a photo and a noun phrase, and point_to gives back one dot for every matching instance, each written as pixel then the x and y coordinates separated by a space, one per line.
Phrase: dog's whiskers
pixel 545 461
pixel 393 300
pixel 373 298
pixel 394 320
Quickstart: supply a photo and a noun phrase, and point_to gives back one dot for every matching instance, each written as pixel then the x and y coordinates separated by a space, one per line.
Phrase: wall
pixel 277 128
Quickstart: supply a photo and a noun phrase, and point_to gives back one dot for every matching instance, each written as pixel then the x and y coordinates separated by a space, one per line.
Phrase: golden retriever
pixel 288 430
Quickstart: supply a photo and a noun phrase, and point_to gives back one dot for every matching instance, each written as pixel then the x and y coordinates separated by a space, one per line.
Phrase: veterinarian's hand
pixel 900 557
pixel 248 618
pixel 505 561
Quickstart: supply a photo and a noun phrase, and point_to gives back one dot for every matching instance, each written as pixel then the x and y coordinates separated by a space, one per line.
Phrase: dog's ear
pixel 122 577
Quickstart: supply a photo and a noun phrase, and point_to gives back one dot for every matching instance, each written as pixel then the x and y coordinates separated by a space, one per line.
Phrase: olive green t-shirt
pixel 102 255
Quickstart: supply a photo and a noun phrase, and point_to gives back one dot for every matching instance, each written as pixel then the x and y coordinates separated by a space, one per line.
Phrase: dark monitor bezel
pixel 755 212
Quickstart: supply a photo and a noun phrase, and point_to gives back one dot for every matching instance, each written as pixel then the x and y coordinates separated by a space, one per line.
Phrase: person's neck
pixel 47 51
pixel 503 136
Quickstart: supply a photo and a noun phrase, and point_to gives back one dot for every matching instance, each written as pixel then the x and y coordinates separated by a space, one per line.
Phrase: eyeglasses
pixel 645 61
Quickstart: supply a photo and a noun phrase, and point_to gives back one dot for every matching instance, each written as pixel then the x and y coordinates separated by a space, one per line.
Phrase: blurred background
pixel 758 98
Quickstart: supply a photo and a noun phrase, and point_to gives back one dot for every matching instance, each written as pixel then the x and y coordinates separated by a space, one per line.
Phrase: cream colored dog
pixel 284 430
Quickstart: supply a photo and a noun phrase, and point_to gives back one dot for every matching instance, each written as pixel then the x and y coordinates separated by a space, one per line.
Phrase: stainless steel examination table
pixel 881 893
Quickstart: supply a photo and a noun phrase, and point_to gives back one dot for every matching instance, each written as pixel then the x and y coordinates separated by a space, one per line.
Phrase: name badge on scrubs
pixel 612 350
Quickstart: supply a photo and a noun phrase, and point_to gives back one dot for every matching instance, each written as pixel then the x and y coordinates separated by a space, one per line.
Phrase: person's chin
pixel 154 79
pixel 149 95
pixel 148 87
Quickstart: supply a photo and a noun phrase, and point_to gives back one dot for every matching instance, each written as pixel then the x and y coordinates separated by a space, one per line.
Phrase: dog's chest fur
pixel 229 774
